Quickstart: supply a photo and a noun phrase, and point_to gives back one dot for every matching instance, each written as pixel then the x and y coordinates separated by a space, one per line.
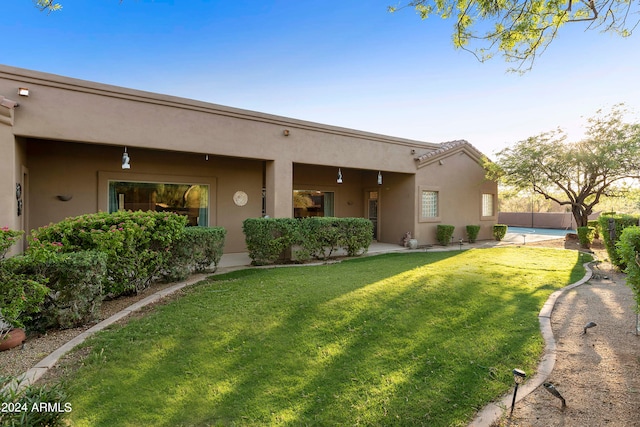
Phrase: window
pixel 191 200
pixel 429 205
pixel 487 205
pixel 308 203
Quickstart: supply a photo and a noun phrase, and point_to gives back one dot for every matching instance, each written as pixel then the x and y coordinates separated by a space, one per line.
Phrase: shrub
pixel 20 297
pixel 596 226
pixel 20 294
pixel 611 235
pixel 316 237
pixel 24 413
pixel 472 233
pixel 585 236
pixel 268 238
pixel 7 239
pixel 628 248
pixel 499 231
pixel 196 250
pixel 444 233
pixel 75 290
pixel 355 235
pixel 136 244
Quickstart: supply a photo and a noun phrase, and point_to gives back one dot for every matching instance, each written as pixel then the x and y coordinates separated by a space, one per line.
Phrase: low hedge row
pixel 199 249
pixel 136 244
pixel 611 228
pixel 271 240
pixel 69 267
pixel 74 282
pixel 628 249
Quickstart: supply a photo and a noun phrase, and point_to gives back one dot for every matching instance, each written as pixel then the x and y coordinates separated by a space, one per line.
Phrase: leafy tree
pixel 48 5
pixel 522 29
pixel 577 174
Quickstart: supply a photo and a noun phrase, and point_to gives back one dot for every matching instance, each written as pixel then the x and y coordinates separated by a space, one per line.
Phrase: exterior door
pixel 372 210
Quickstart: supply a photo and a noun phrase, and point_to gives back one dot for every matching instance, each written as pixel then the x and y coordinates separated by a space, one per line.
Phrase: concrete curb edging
pixel 493 411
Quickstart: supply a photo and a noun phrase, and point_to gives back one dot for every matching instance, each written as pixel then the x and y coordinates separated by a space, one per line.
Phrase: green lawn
pixel 399 339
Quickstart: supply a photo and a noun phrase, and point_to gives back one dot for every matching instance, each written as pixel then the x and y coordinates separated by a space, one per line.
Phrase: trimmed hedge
pixel 499 231
pixel 268 238
pixel 444 233
pixel 271 240
pixel 318 237
pixel 198 249
pixel 628 249
pixel 75 288
pixel 586 236
pixel 355 235
pixel 472 233
pixel 596 226
pixel 611 237
pixel 137 244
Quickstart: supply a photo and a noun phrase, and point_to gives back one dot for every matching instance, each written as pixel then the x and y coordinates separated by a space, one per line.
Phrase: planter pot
pixel 14 338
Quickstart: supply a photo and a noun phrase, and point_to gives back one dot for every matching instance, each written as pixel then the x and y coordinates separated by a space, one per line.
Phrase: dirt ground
pixel 598 373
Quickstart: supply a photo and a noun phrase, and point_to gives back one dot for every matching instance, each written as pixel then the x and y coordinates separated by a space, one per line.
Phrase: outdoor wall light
pixel 339 180
pixel 285 132
pixel 379 178
pixel 64 197
pixel 23 91
pixel 125 160
pixel 518 377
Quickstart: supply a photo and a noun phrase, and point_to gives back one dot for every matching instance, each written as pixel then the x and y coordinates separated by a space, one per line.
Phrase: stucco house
pixel 71 147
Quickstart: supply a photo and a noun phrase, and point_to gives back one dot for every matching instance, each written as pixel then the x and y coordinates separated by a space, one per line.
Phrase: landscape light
pixel 518 377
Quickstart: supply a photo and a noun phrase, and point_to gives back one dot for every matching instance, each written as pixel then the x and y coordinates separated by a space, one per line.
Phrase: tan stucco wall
pixel 348 195
pixel 460 181
pixel 11 162
pixel 397 204
pixel 62 168
pixel 76 132
pixel 70 109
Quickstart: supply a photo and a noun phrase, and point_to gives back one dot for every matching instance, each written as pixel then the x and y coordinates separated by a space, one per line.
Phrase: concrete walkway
pixel 236 261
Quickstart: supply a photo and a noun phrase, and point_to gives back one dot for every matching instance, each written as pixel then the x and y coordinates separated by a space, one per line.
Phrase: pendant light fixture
pixel 339 180
pixel 125 160
pixel 379 178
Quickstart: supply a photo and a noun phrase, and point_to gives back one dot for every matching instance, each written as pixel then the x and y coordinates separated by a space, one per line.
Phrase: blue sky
pixel 343 63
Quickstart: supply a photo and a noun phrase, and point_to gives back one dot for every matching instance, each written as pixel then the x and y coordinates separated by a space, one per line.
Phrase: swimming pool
pixel 540 231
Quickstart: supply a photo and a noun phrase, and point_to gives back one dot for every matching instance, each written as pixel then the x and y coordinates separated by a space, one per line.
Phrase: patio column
pixel 9 177
pixel 279 188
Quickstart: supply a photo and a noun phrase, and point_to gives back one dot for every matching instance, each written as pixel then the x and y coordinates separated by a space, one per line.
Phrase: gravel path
pixel 597 373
